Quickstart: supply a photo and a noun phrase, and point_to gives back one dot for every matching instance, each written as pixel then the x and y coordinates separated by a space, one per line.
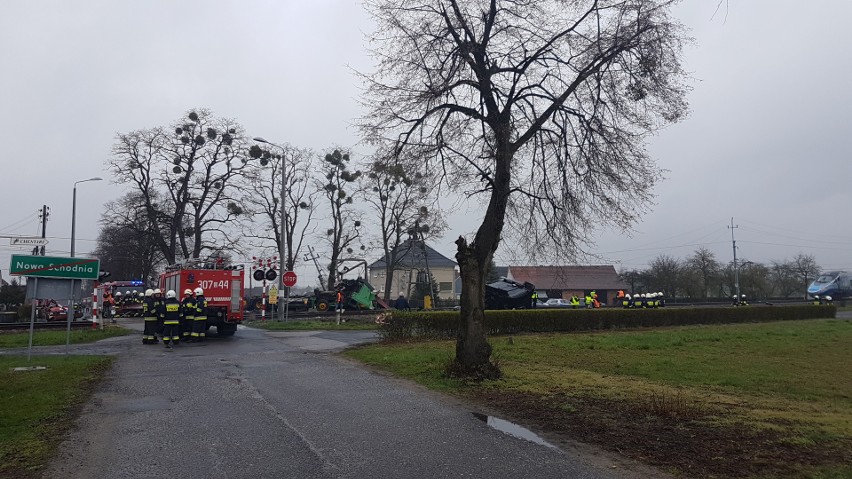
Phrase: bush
pixel 400 325
pixel 25 312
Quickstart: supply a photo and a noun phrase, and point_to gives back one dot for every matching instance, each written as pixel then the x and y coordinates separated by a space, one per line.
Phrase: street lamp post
pixel 71 311
pixel 283 263
pixel 74 210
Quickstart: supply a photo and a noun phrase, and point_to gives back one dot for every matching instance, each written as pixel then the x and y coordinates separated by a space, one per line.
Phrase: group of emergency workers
pixel 741 301
pixel 174 320
pixel 121 304
pixel 825 299
pixel 641 300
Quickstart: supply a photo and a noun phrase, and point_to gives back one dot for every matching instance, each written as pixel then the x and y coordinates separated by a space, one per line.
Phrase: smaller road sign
pixel 28 241
pixel 289 279
pixel 54 267
pixel 273 295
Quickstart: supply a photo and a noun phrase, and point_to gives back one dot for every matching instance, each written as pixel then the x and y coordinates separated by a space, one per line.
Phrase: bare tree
pixel 183 175
pixel 127 243
pixel 784 280
pixel 638 280
pixel 339 186
pixel 664 274
pixel 704 263
pixel 806 268
pixel 262 193
pixel 542 107
pixel 755 280
pixel 399 200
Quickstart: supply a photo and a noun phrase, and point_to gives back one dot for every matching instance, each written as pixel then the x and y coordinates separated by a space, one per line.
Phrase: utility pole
pixel 44 213
pixel 736 271
pixel 314 258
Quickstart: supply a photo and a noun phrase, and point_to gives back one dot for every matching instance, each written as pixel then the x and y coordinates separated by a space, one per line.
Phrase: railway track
pixel 297 315
pixel 46 325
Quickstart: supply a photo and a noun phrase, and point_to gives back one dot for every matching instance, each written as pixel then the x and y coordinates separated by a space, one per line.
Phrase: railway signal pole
pixel 736 270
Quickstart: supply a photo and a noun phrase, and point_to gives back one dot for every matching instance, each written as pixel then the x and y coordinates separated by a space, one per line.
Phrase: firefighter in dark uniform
pixel 171 320
pixel 199 326
pixel 159 301
pixel 186 322
pixel 149 315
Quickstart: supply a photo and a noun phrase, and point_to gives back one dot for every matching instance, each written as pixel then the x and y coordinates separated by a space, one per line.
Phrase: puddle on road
pixel 512 429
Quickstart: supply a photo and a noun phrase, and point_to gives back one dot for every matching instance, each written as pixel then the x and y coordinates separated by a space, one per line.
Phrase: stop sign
pixel 289 279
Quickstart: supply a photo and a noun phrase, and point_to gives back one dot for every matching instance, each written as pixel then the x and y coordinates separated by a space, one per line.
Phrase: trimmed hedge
pixel 443 324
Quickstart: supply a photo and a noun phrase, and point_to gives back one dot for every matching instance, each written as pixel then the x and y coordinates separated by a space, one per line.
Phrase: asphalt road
pixel 278 405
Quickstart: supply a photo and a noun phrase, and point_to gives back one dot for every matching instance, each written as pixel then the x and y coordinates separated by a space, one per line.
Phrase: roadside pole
pixel 286 305
pixel 32 317
pixel 263 307
pixel 68 318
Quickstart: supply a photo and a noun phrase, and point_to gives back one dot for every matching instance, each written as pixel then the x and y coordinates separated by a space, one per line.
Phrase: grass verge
pixel 743 400
pixel 20 339
pixel 39 406
pixel 310 325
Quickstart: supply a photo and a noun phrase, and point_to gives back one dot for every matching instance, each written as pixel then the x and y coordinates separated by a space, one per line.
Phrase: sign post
pixel 53 267
pixel 17 241
pixel 289 280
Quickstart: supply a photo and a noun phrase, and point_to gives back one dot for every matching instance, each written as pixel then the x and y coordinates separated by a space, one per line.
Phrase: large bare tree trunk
pixel 472 349
pixel 473 352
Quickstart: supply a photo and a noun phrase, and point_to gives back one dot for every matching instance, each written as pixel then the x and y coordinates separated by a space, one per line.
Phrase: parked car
pixel 556 303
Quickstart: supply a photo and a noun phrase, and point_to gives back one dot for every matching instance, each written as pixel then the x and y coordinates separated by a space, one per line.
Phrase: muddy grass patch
pixel 673 433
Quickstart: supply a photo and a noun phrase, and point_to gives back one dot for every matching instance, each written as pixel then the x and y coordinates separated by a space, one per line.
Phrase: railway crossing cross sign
pixel 54 267
pixel 289 279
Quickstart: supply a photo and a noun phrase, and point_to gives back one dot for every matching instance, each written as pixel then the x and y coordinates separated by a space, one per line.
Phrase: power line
pixel 846 237
pixel 795 245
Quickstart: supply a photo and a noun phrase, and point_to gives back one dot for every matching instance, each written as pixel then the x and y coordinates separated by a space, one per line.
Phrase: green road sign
pixel 53 267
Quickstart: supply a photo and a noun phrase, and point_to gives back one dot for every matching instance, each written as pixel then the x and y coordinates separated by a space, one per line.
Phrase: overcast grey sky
pixel 766 141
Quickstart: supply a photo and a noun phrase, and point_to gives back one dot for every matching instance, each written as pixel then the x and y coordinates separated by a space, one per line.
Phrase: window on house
pixel 445 286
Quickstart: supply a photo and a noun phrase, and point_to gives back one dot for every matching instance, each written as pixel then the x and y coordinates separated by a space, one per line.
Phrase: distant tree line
pixel 702 276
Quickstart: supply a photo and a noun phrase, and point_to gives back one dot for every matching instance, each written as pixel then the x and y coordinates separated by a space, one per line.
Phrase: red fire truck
pixel 223 290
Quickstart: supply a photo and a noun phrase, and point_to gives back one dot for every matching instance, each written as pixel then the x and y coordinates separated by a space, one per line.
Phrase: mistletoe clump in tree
pixel 401 198
pixel 285 174
pixel 182 176
pixel 339 188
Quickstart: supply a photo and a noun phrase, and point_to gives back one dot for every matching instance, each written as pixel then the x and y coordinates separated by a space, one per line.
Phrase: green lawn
pixel 781 392
pixel 38 406
pixel 20 339
pixel 310 325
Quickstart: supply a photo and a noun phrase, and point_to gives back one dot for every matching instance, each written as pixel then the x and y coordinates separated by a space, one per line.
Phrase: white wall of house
pixel 402 278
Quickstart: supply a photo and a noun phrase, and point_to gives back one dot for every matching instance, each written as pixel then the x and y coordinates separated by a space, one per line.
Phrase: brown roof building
pixel 567 281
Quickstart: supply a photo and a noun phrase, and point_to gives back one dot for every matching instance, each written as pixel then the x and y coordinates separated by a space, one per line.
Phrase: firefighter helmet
pixel 828 298
pixel 199 291
pixel 118 294
pixel 149 292
pixel 158 291
pixel 170 294
pixel 187 291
